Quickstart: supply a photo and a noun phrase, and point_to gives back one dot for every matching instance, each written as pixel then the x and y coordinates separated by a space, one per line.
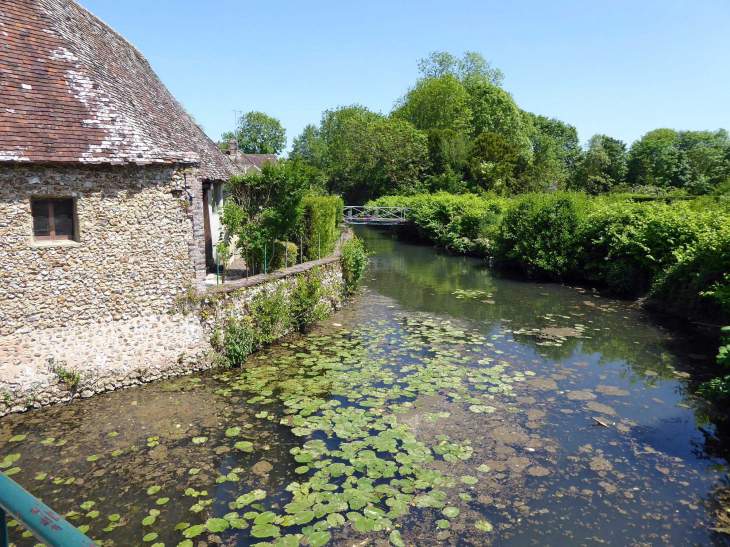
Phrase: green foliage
pixel 493 163
pixel 602 167
pixel 696 161
pixel 447 150
pixel 283 255
pixel 426 145
pixel 320 226
pixel 676 250
pixel 363 154
pixel 308 302
pixel 239 342
pixel 69 377
pixel 258 133
pixel 456 222
pixel 271 315
pixel 541 233
pixel 354 261
pixel 265 206
pixel 436 103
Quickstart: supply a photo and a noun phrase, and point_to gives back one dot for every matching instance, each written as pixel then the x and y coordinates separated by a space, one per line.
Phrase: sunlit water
pixel 443 406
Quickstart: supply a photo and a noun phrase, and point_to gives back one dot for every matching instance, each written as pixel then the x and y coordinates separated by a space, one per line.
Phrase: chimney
pixel 233 146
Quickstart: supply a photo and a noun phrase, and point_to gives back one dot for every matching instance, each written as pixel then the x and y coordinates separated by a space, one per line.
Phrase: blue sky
pixel 621 68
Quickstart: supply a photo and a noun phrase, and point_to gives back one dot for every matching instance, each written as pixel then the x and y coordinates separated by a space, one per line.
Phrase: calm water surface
pixel 443 406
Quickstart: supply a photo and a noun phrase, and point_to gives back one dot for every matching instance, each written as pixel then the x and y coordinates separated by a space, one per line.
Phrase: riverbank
pixel 675 255
pixel 48 366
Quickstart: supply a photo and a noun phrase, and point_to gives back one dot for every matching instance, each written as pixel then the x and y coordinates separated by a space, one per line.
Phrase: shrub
pixel 542 233
pixel 239 342
pixel 673 247
pixel 354 261
pixel 698 274
pixel 451 221
pixel 308 302
pixel 320 225
pixel 284 254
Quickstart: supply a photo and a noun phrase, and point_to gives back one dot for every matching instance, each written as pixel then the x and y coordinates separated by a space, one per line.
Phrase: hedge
pixel 320 228
pixel 674 252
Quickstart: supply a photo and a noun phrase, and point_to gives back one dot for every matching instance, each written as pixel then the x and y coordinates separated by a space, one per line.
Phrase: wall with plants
pixel 242 320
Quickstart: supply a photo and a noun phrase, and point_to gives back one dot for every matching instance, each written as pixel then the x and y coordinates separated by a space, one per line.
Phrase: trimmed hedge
pixel 320 225
pixel 675 252
pixel 285 254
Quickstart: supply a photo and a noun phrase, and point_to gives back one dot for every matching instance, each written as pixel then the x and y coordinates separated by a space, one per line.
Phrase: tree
pixel 368 155
pixel 565 137
pixel 309 146
pixel 447 149
pixel 602 167
pixel 471 68
pixel 264 206
pixel 493 163
pixel 258 133
pixel 436 103
pixel 653 158
pixel 495 111
pixel 692 160
pixel 555 152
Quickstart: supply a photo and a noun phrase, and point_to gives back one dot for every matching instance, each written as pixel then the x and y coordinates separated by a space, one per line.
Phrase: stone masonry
pixel 35 366
pixel 135 253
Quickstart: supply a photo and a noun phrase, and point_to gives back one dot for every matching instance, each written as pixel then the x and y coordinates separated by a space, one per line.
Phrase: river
pixel 445 405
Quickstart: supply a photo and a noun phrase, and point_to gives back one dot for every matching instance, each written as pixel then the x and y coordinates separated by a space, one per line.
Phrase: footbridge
pixel 383 216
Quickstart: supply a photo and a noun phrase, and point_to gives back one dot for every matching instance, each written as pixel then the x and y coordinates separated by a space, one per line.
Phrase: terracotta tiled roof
pixel 73 90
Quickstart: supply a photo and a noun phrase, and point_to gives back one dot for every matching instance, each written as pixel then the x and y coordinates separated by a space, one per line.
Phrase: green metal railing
pixel 41 521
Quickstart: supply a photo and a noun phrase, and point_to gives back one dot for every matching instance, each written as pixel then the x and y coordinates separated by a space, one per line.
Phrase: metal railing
pixel 375 215
pixel 41 521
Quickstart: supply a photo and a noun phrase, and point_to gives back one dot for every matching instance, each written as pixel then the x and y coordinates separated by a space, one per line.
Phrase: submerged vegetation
pixel 404 428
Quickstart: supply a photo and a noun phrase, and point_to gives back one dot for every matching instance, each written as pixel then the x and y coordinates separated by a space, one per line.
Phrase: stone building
pixel 103 176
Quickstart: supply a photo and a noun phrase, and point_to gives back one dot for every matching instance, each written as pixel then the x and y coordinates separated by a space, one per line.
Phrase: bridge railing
pixel 357 213
pixel 41 521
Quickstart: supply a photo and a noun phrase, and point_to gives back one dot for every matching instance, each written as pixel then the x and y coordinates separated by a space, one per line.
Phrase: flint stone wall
pixel 135 253
pixel 124 353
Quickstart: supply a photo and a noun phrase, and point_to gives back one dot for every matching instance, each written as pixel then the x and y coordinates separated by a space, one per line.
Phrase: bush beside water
pixel 320 225
pixel 672 251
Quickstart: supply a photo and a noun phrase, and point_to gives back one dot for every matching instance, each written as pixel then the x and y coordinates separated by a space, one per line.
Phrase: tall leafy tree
pixel 495 111
pixel 436 103
pixel 471 68
pixel 447 150
pixel 692 160
pixel 258 133
pixel 493 163
pixel 368 155
pixel 602 167
pixel 309 146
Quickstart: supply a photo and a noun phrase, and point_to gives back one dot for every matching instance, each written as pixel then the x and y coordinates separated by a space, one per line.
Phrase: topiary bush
pixel 320 228
pixel 354 261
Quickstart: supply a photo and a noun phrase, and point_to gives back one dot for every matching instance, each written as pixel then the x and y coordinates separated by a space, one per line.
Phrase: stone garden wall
pixel 135 252
pixel 52 365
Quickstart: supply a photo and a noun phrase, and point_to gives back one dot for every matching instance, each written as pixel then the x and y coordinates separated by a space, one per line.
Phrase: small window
pixel 53 219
